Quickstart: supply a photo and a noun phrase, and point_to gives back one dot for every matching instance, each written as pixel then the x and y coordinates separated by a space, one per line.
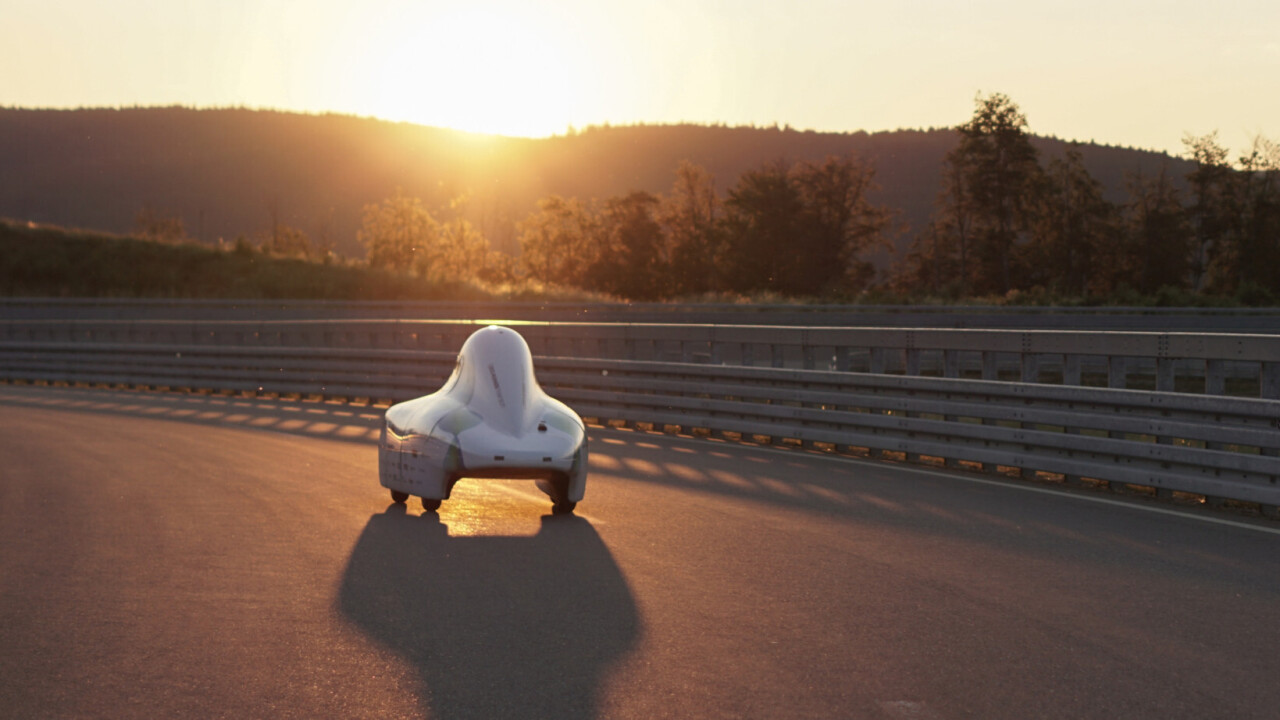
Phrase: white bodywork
pixel 490 420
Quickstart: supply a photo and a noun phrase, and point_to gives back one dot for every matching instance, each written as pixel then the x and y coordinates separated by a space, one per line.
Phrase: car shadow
pixel 495 626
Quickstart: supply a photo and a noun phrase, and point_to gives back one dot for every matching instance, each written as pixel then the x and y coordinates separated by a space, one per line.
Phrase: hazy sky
pixel 1122 72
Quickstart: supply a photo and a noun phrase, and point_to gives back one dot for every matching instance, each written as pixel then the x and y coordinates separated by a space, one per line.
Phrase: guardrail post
pixel 1071 370
pixel 1215 377
pixel 777 355
pixel 748 352
pixel 877 360
pixel 807 352
pixel 1030 368
pixel 1270 380
pixel 842 359
pixel 950 363
pixel 1164 374
pixel 912 361
pixel 1270 510
pixel 1117 371
pixel 990 366
pixel 1164 493
pixel 1070 479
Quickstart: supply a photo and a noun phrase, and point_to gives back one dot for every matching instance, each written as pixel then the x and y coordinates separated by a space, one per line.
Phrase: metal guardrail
pixel 1145 319
pixel 1217 447
pixel 1215 364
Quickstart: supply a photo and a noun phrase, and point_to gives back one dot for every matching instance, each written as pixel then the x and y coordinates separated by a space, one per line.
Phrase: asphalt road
pixel 188 556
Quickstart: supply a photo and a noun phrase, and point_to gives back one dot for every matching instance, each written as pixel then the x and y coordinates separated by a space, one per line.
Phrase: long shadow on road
pixel 321 420
pixel 495 626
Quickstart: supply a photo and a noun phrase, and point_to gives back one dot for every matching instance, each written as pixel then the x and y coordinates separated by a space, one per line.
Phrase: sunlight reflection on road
pixel 685 472
pixel 494 508
pixel 644 467
pixel 603 462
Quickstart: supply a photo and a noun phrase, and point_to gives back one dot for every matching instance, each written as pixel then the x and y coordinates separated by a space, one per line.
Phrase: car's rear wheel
pixel 431 504
pixel 557 488
pixel 399 497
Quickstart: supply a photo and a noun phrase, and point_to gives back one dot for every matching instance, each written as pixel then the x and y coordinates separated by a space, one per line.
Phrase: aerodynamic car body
pixel 490 420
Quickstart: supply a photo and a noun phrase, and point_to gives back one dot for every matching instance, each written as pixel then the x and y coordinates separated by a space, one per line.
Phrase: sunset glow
pixel 482 69
pixel 1124 72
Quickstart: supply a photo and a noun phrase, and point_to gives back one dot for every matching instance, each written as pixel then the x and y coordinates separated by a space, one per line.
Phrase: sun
pixel 480 68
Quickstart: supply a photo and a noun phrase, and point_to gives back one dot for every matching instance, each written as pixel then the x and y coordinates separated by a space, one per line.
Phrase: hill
pixel 231 172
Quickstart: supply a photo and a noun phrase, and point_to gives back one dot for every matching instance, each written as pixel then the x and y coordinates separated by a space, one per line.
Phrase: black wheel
pixel 399 497
pixel 557 488
pixel 431 504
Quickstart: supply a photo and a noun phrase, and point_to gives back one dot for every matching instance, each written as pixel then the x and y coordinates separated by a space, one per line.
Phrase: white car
pixel 490 420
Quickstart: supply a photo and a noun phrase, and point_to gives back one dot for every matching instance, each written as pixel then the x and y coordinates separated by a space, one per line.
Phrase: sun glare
pixel 475 68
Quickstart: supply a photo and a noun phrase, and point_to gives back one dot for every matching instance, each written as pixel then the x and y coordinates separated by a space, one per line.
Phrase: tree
pixel 1256 223
pixel 1155 251
pixel 838 223
pixel 1209 212
pixel 761 225
pixel 939 259
pixel 688 218
pixel 1072 224
pixel 801 230
pixel 464 251
pixel 558 243
pixel 1235 215
pixel 930 264
pixel 629 261
pixel 993 176
pixel 400 233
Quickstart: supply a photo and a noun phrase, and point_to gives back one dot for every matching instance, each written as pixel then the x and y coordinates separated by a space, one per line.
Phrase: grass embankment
pixel 48 261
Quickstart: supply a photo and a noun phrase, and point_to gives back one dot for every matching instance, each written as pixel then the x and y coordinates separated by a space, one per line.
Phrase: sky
pixel 1136 73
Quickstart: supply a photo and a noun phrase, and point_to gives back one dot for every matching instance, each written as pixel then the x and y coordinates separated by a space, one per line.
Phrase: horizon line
pixel 570 131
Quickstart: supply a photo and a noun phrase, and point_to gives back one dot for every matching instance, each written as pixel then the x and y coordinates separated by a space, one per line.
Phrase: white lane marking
pixel 1107 501
pixel 794 454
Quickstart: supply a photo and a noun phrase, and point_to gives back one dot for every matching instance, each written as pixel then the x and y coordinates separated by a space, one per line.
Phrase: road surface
pixel 167 555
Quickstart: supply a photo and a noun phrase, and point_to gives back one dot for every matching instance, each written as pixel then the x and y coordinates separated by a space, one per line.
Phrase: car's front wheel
pixel 399 497
pixel 431 504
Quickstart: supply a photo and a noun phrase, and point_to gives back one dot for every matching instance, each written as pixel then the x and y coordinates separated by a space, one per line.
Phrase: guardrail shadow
pixel 495 626
pixel 879 494
pixel 328 420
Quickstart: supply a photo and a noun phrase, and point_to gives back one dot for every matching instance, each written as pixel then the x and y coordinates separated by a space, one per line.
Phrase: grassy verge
pixel 47 261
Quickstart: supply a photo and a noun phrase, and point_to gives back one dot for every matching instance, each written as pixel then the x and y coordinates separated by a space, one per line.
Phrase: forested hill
pixel 231 172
